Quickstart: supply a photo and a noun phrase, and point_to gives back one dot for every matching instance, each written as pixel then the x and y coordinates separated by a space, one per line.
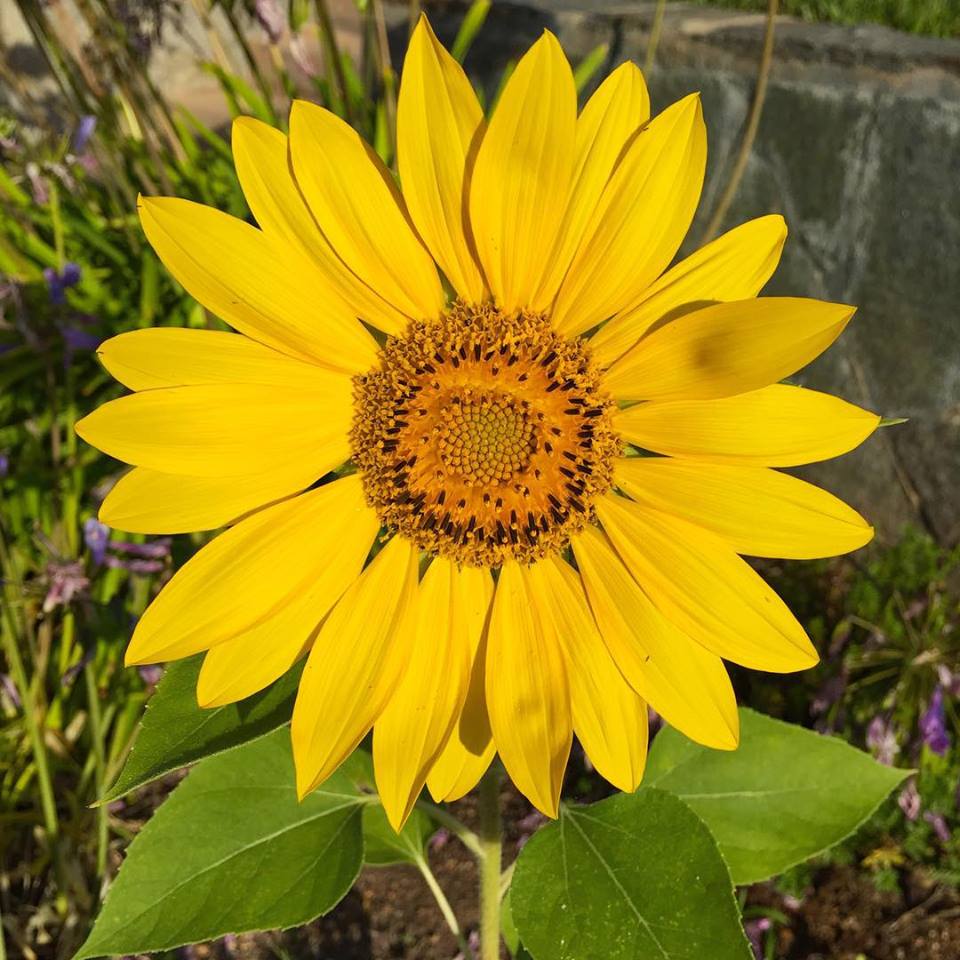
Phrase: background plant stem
pixel 750 133
pixel 491 841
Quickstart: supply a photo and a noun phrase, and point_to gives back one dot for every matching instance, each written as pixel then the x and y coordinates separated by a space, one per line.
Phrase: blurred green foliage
pixel 940 18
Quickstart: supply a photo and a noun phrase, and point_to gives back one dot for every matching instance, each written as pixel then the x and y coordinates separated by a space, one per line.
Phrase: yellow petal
pixel 250 571
pixel 260 153
pixel 686 684
pixel 727 348
pixel 260 286
pixel 702 587
pixel 225 430
pixel 360 211
pixel 608 716
pixel 527 692
pixel 350 673
pixel 178 357
pixel 735 266
pixel 523 175
pixel 470 748
pixel 618 108
pixel 410 733
pixel 438 119
pixel 145 501
pixel 759 512
pixel 778 426
pixel 251 661
pixel 642 217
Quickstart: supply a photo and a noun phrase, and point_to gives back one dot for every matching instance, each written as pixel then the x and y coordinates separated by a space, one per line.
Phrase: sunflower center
pixel 483 436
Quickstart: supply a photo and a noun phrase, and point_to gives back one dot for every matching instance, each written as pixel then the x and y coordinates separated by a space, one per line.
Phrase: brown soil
pixel 845 917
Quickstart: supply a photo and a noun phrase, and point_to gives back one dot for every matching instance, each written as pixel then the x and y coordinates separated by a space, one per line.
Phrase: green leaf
pixel 175 731
pixel 232 850
pixel 783 796
pixel 383 846
pixel 633 877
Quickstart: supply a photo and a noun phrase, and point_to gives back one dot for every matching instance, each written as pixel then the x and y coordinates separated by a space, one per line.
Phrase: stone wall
pixel 859 148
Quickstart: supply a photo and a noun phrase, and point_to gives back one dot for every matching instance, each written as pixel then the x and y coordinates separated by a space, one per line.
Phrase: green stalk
pixel 491 842
pixel 753 123
pixel 331 54
pixel 34 731
pixel 99 753
pixel 444 904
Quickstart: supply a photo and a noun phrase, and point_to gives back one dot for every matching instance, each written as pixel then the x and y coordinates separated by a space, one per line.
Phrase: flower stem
pixel 444 904
pixel 490 843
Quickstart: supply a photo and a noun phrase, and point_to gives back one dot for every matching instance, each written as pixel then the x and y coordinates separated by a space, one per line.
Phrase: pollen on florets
pixel 482 436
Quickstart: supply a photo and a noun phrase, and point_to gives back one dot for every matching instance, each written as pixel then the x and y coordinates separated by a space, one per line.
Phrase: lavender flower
pixel 38 186
pixel 949 680
pixel 755 930
pixel 59 282
pixel 933 725
pixel 150 674
pixel 939 824
pixel 73 672
pixel 10 689
pixel 882 741
pixel 909 801
pixel 143 567
pixel 97 537
pixel 66 581
pixel 4 465
pixel 270 18
pixel 440 839
pixel 83 133
pixel 158 549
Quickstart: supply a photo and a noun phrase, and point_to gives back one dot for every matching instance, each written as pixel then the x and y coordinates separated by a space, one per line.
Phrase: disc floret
pixel 483 436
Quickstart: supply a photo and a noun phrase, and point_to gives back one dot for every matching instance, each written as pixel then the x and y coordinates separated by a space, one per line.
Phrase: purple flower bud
pixel 150 674
pixel 439 840
pixel 939 824
pixel 4 465
pixel 158 549
pixel 882 741
pixel 143 567
pixel 65 581
pixel 83 133
pixel 38 186
pixel 909 801
pixel 10 689
pixel 755 930
pixel 73 672
pixel 933 725
pixel 96 536
pixel 58 283
pixel 949 680
pixel 270 18
pixel 303 56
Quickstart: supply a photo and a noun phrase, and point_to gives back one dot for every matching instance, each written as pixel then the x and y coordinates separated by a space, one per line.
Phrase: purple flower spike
pixel 96 536
pixel 909 801
pixel 59 283
pixel 933 725
pixel 939 824
pixel 83 133
pixel 882 741
pixel 66 581
pixel 270 18
pixel 755 929
pixel 4 465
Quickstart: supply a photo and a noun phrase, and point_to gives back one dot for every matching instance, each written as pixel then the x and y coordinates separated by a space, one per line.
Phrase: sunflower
pixel 483 456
